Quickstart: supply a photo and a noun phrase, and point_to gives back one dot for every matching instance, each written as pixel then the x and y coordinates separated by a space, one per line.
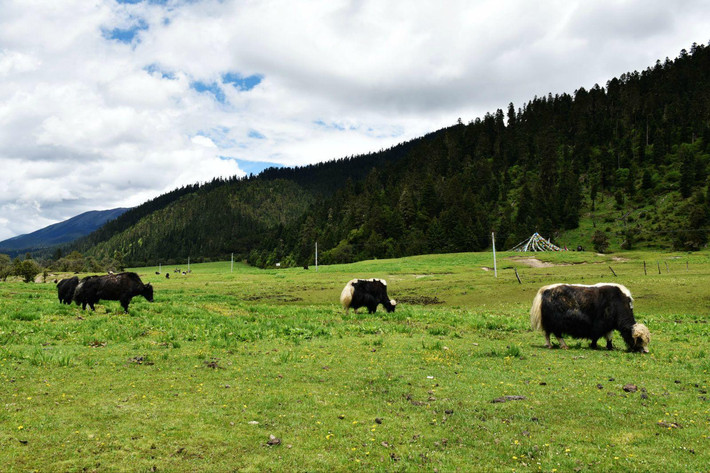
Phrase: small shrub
pixel 513 351
pixel 64 361
pixel 40 358
pixel 438 331
pixel 600 241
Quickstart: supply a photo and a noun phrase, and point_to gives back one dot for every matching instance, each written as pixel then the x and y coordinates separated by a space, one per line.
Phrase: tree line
pixel 637 146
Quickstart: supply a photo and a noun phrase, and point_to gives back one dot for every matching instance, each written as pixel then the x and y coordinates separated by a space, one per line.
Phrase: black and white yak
pixel 66 288
pixel 120 287
pixel 588 312
pixel 366 293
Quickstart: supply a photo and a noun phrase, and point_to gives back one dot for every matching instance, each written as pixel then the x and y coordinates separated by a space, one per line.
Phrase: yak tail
pixel 535 311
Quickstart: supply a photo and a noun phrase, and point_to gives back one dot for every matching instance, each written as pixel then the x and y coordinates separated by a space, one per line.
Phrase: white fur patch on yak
pixel 346 296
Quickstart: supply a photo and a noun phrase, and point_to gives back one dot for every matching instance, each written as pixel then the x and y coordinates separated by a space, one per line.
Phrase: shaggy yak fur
pixel 112 287
pixel 366 293
pixel 80 294
pixel 588 312
pixel 66 288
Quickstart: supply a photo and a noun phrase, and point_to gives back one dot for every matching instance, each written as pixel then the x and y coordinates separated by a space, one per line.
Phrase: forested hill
pixel 627 161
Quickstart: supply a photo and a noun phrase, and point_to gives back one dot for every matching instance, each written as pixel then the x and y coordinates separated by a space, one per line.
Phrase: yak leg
pixel 594 344
pixel 547 340
pixel 124 304
pixel 609 346
pixel 563 345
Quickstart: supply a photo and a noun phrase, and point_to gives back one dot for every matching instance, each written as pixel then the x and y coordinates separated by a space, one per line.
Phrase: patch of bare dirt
pixel 533 262
pixel 620 259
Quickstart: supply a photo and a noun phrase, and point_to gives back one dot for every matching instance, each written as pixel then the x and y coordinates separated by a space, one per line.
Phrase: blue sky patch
pixel 125 35
pixel 211 88
pixel 240 82
pixel 256 135
pixel 252 167
pixel 155 68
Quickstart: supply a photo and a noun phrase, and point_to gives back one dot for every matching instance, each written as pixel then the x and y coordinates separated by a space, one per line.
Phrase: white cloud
pixel 106 104
pixel 203 141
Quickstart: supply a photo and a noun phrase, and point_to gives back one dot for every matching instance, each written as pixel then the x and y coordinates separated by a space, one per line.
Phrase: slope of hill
pixel 62 232
pixel 628 160
pixel 216 220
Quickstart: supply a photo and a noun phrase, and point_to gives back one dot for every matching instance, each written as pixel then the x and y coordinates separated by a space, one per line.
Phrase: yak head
pixel 147 292
pixel 391 305
pixel 641 337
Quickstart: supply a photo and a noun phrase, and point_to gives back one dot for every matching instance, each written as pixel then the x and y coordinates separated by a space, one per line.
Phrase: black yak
pixel 112 287
pixel 66 288
pixel 588 312
pixel 366 293
pixel 80 294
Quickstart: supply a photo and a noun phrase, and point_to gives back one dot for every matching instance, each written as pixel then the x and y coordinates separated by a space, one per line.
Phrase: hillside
pixel 628 160
pixel 212 221
pixel 62 232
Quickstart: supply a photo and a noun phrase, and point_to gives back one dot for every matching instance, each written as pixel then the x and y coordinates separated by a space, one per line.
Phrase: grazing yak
pixel 112 287
pixel 588 312
pixel 80 294
pixel 366 293
pixel 66 288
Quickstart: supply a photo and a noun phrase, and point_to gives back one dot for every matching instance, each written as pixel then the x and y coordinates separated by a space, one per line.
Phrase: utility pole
pixel 316 257
pixel 495 266
pixel 231 268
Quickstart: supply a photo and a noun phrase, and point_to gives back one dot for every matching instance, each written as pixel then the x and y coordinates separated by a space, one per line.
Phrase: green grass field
pixel 202 378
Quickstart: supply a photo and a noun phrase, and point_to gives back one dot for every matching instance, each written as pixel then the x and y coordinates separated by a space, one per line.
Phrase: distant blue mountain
pixel 62 232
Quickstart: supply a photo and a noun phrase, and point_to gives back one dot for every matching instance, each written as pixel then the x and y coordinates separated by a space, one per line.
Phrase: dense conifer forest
pixel 625 163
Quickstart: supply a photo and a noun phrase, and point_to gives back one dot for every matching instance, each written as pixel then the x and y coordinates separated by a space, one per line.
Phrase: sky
pixel 108 103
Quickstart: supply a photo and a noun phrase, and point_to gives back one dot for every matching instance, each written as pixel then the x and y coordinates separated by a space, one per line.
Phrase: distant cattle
pixel 589 312
pixel 366 293
pixel 120 287
pixel 66 288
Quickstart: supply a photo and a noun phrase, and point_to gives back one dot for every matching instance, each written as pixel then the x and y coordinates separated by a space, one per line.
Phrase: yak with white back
pixel 366 293
pixel 589 312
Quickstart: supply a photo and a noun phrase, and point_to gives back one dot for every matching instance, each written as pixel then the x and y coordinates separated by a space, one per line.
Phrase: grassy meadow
pixel 261 370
